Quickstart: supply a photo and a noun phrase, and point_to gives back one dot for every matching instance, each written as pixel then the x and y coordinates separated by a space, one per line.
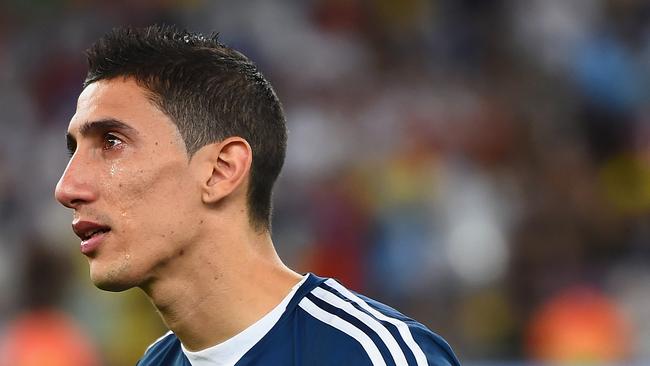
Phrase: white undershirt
pixel 230 351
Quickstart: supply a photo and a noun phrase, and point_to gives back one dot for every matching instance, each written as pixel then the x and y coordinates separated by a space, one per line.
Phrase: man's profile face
pixel 129 183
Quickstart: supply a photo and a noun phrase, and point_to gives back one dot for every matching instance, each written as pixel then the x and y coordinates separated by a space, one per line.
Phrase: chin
pixel 114 279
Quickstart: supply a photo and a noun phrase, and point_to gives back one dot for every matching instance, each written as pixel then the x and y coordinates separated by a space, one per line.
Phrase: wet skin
pixel 128 162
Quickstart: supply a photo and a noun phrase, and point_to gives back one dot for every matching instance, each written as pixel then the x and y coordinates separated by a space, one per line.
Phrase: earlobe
pixel 229 163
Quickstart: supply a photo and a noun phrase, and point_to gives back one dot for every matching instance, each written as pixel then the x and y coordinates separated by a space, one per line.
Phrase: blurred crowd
pixel 484 166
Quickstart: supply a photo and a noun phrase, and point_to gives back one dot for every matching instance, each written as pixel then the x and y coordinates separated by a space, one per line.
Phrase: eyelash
pixel 106 145
pixel 72 147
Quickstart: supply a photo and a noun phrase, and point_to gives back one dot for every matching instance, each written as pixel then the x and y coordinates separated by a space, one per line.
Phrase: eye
pixel 111 142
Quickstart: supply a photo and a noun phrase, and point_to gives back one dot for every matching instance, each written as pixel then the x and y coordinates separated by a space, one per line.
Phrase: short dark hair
pixel 209 90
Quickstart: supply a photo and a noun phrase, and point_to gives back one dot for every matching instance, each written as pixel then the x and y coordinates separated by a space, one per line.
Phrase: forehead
pixel 123 100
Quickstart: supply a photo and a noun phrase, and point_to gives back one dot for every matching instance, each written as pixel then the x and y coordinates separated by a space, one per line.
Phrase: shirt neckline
pixel 231 350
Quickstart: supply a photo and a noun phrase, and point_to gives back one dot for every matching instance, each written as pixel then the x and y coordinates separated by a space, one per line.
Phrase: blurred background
pixel 483 166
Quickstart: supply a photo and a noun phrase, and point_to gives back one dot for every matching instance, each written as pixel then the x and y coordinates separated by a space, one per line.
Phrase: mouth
pixel 91 234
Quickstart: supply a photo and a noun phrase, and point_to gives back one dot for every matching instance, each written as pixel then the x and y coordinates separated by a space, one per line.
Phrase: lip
pixel 90 245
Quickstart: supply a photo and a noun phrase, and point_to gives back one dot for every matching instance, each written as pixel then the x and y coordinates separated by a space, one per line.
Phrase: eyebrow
pixel 93 127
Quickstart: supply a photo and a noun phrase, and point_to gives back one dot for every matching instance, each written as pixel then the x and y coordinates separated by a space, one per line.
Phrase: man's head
pixel 170 129
pixel 208 90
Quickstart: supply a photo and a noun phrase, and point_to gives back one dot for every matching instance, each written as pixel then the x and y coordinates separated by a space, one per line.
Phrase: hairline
pixel 156 100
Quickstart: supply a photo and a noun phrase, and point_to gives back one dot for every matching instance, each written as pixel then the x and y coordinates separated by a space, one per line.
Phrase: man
pixel 175 145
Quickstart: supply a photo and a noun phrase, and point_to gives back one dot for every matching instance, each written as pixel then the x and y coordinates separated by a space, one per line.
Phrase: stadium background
pixel 484 166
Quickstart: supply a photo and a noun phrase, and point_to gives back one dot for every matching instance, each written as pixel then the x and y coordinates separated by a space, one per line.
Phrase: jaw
pixel 114 277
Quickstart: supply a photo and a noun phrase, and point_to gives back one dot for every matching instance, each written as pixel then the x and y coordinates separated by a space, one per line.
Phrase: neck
pixel 219 288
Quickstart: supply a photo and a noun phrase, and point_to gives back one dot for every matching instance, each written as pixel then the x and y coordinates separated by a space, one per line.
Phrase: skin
pixel 179 224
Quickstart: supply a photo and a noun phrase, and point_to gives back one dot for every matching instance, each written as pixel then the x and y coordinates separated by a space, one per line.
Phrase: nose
pixel 75 187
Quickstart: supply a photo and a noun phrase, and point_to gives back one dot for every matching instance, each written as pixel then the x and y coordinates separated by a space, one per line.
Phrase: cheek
pixel 151 199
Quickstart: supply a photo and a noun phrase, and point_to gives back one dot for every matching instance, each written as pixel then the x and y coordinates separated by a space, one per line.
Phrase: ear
pixel 229 163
